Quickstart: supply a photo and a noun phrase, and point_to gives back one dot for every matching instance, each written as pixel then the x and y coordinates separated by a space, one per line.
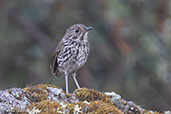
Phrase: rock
pixel 50 99
pixel 13 98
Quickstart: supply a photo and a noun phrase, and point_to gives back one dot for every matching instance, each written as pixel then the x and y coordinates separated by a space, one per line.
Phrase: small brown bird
pixel 71 52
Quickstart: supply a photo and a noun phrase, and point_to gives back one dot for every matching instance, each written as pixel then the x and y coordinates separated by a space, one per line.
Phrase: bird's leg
pixel 75 80
pixel 66 82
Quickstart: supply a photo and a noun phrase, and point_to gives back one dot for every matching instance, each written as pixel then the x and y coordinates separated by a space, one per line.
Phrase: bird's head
pixel 78 32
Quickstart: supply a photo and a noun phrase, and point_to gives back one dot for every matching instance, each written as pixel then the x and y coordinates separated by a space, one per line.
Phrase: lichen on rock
pixel 50 99
pixel 13 98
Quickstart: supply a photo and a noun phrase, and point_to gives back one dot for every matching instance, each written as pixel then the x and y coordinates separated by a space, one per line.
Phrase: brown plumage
pixel 71 52
pixel 54 64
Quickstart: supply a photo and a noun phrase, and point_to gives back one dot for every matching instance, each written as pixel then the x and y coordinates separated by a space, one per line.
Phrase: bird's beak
pixel 88 28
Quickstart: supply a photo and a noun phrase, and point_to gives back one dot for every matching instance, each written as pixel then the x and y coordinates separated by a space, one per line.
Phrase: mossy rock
pixel 50 99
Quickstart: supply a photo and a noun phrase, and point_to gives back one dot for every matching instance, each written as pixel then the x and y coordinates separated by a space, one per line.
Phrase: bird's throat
pixel 84 37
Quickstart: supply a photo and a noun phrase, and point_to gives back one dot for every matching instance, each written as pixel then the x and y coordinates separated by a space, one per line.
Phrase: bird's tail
pixel 54 66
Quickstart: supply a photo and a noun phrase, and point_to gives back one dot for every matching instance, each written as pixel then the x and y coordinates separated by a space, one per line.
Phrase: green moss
pixel 89 101
pixel 99 107
pixel 85 94
pixel 75 107
pixel 95 107
pixel 38 93
pixel 148 112
pixel 46 107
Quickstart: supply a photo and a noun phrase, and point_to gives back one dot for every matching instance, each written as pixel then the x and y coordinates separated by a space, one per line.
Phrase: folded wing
pixel 54 64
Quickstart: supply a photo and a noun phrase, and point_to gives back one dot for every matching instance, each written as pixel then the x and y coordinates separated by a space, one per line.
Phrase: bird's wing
pixel 54 64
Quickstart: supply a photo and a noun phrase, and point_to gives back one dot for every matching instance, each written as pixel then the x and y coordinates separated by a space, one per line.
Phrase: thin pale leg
pixel 66 82
pixel 75 80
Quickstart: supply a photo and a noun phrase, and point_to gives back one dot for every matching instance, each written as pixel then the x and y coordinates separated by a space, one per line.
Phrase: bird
pixel 71 52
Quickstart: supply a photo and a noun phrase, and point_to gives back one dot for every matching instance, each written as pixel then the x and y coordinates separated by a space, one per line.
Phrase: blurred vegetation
pixel 130 45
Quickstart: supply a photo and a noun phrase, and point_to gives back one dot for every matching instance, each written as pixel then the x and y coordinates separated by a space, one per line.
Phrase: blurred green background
pixel 130 46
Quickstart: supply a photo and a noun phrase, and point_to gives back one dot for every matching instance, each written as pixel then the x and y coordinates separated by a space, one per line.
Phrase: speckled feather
pixel 71 52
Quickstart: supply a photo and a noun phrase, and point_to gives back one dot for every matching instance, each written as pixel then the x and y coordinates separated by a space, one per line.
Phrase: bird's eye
pixel 77 30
